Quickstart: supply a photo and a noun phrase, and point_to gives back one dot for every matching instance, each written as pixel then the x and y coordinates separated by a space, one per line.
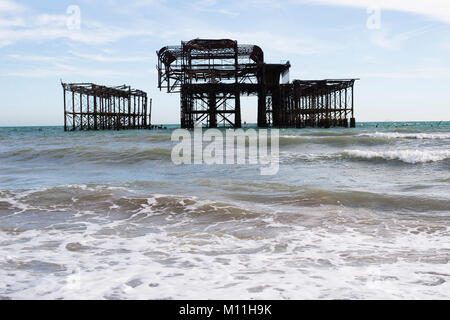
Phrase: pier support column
pixel 212 110
pixel 352 119
pixel 65 109
pixel 73 111
pixel 262 109
pixel 276 107
pixel 237 110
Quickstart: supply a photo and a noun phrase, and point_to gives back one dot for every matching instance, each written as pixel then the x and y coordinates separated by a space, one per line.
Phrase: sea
pixel 359 213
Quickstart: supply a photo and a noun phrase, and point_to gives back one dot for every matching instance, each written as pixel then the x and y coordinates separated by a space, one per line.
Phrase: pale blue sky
pixel 403 62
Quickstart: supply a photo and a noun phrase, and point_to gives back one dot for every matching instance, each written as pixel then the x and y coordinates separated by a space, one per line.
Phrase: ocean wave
pixel 376 201
pixel 89 154
pixel 334 254
pixel 397 135
pixel 144 138
pixel 281 197
pixel 105 250
pixel 406 156
pixel 340 140
pixel 330 133
pixel 116 202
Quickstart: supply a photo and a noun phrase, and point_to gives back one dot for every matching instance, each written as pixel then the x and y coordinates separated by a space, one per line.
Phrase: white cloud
pixel 445 45
pixel 436 9
pixel 59 69
pixel 429 72
pixel 10 6
pixel 103 58
pixel 31 26
pixel 145 3
pixel 91 33
pixel 268 41
pixel 5 43
pixel 31 58
pixel 14 22
pixel 68 72
pixel 283 43
pixel 382 38
pixel 44 66
pixel 55 20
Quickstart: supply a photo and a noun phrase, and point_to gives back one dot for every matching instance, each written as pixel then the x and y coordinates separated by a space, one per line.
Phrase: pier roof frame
pixel 212 73
pixel 303 87
pixel 93 89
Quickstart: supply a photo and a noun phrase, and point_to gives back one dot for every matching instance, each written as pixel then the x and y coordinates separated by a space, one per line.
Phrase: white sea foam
pixel 398 135
pixel 310 233
pixel 15 200
pixel 326 260
pixel 407 156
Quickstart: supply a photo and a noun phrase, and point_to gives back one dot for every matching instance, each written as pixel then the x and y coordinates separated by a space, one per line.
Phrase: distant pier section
pixel 88 106
pixel 212 74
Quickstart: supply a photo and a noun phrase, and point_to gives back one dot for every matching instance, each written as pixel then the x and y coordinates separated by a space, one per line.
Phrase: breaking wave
pixel 332 140
pixel 406 156
pixel 89 154
pixel 397 135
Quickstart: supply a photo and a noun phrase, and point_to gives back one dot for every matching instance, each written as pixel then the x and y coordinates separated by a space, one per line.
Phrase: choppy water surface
pixel 353 213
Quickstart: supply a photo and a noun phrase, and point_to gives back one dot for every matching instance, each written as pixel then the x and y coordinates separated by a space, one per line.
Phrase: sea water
pixel 352 214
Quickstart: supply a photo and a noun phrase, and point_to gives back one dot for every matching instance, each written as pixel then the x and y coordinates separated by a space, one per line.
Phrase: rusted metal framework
pixel 211 75
pixel 311 103
pixel 89 106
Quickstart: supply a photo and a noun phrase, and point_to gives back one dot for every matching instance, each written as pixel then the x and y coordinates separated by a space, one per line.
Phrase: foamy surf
pixel 328 253
pixel 398 135
pixel 338 140
pixel 406 156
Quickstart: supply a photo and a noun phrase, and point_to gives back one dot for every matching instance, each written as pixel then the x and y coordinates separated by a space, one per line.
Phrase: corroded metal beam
pixel 88 106
pixel 211 74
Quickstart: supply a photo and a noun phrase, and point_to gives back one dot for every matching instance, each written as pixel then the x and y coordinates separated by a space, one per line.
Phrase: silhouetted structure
pixel 211 75
pixel 88 106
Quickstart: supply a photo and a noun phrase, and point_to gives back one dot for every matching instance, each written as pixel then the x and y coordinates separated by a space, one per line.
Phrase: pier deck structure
pixel 88 106
pixel 212 74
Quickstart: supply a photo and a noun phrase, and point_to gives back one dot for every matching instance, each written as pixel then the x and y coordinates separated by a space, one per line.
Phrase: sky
pixel 400 49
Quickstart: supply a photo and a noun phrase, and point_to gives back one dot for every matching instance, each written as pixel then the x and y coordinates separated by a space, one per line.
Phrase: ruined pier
pixel 211 76
pixel 88 106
